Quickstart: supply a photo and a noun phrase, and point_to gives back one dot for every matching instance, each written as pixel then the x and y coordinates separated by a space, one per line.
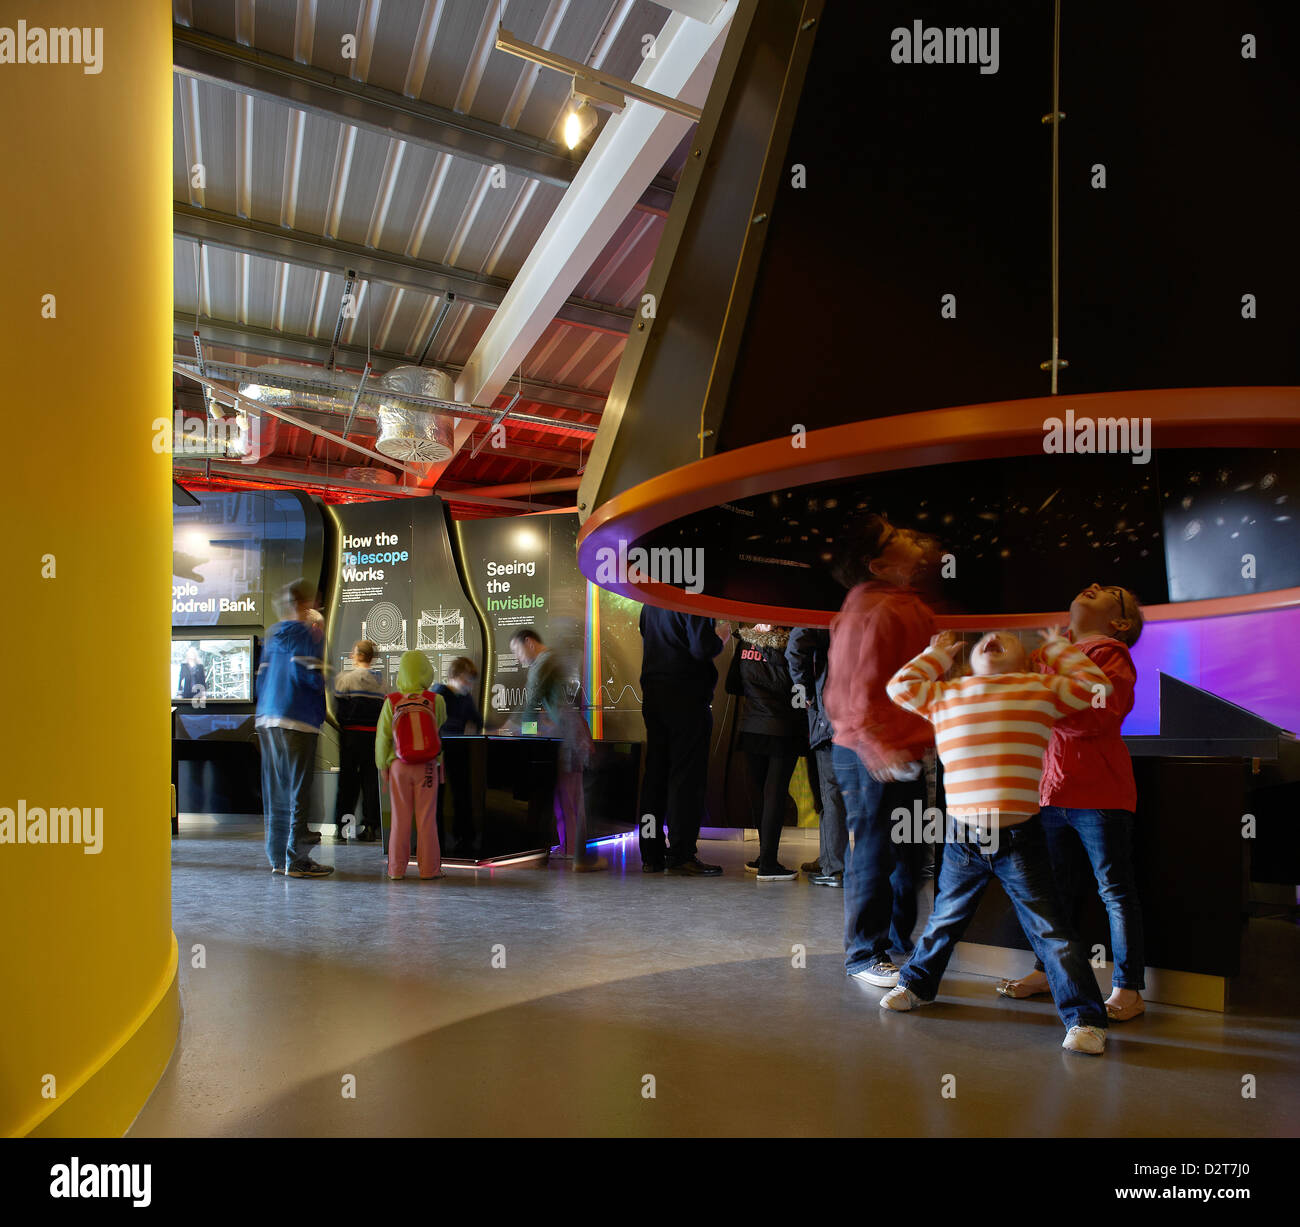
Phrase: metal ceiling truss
pixel 307 88
pixel 271 241
pixel 372 395
pixel 270 343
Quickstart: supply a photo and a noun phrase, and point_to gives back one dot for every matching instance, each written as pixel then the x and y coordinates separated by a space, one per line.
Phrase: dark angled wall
pixel 922 180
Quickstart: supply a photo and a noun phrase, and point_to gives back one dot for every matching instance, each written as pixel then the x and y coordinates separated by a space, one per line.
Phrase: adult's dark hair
pixel 857 544
pixel 525 633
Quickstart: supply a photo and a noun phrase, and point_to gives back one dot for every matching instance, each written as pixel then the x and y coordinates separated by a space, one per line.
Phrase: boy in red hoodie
pixel 878 746
pixel 1088 787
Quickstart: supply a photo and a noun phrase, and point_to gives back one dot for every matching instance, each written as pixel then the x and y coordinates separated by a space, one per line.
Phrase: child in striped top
pixel 991 729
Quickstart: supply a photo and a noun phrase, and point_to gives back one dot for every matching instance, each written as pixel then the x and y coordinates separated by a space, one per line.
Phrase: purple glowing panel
pixel 1251 659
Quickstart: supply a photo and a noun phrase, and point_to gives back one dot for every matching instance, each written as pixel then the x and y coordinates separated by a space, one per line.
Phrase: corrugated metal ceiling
pixel 316 176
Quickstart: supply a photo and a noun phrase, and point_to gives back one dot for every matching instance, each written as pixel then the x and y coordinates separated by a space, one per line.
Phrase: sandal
pixel 1123 1013
pixel 1017 989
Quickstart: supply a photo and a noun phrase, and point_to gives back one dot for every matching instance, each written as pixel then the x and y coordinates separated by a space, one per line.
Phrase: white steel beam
pixel 626 157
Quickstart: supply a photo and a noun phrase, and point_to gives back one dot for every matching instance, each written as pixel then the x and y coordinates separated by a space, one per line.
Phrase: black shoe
pixel 652 866
pixel 309 869
pixel 776 873
pixel 694 868
pixel 835 880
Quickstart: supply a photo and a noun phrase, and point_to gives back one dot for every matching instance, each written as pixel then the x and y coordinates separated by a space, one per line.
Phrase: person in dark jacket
pixel 358 699
pixel 806 654
pixel 773 735
pixel 678 678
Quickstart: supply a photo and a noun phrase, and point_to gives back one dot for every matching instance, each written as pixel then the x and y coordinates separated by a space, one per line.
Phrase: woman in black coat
pixel 773 736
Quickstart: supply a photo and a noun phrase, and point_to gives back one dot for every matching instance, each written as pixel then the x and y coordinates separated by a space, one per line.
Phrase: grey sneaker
pixel 309 869
pixel 1091 1040
pixel 882 974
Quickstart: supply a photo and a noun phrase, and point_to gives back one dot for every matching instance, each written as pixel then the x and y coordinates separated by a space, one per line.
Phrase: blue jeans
pixel 287 759
pixel 1021 864
pixel 1107 839
pixel 833 833
pixel 879 875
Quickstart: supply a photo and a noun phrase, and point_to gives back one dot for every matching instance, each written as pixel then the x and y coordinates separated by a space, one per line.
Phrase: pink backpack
pixel 415 726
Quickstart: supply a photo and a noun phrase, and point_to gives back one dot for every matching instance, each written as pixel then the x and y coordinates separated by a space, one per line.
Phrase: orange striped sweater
pixel 991 731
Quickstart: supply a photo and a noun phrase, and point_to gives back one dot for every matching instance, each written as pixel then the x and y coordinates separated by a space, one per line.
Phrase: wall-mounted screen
pixel 214 670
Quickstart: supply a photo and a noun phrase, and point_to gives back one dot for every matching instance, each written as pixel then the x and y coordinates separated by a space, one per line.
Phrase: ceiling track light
pixel 579 122
pixel 593 87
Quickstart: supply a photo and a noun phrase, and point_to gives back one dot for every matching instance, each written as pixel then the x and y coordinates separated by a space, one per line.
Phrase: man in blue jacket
pixel 290 711
pixel 678 678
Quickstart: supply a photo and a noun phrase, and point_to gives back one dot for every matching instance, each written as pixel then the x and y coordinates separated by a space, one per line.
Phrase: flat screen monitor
pixel 215 669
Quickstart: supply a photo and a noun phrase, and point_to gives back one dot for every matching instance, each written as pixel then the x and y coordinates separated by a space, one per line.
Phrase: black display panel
pixel 523 572
pixel 395 582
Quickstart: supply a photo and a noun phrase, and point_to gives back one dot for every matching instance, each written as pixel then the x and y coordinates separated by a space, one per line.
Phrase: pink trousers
pixel 413 791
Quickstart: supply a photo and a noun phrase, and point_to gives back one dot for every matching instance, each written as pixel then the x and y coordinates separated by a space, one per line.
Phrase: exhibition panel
pixel 392 579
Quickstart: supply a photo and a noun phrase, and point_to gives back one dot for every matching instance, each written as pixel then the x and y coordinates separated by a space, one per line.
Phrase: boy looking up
pixel 991 729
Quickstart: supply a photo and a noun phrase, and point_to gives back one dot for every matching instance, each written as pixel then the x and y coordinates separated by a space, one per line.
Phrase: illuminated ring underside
pixel 1180 417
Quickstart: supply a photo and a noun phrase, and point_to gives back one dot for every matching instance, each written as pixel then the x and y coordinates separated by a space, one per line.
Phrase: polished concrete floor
pixel 314 989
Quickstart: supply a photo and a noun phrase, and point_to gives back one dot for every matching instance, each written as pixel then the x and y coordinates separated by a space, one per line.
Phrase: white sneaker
pixel 882 974
pixel 901 998
pixel 1091 1040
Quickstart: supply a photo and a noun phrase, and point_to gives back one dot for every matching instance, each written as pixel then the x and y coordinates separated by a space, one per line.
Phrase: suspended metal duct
pixel 302 377
pixel 407 431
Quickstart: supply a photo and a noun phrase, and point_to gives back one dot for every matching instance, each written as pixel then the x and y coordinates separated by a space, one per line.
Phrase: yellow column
pixel 87 955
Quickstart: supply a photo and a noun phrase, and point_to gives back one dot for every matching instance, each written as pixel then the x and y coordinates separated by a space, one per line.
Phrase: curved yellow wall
pixel 87 956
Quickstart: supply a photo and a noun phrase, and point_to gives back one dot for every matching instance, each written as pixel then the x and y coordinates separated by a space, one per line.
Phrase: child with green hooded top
pixel 410 767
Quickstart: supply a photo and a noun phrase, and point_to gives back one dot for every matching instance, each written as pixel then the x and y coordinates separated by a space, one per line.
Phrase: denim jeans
pixel 879 875
pixel 287 759
pixel 833 835
pixel 1021 864
pixel 1107 839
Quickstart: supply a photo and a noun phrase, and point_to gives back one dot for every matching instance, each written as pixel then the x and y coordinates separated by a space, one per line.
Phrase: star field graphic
pixel 1024 534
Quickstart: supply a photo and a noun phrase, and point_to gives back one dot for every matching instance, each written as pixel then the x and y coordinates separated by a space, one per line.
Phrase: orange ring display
pixel 1179 417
